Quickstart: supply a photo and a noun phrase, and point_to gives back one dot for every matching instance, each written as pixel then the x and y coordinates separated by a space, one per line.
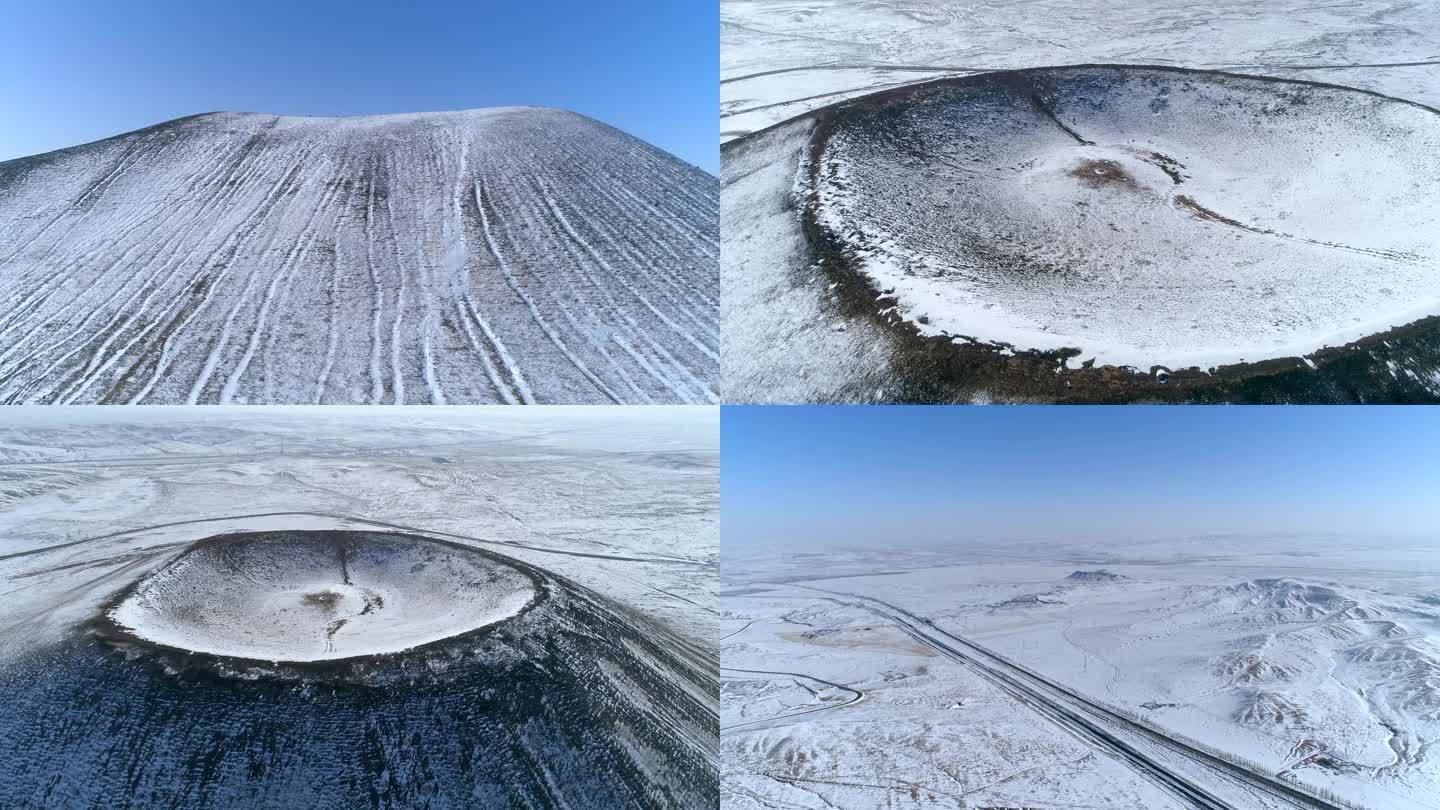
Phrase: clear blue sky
pixel 73 71
pixel 871 475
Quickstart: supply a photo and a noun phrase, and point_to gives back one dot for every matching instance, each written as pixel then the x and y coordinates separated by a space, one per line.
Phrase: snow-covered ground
pixel 507 255
pixel 903 677
pixel 781 58
pixel 610 514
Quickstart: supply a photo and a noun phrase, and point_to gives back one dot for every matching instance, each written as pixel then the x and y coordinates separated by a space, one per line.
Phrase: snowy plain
pixel 782 58
pixel 1313 661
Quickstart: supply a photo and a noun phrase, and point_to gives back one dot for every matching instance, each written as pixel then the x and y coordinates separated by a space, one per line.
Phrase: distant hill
pixel 1100 575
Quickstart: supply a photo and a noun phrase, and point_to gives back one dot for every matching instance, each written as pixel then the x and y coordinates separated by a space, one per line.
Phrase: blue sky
pixel 872 475
pixel 73 71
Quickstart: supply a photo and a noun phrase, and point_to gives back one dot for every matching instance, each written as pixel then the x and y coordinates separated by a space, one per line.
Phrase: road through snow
pixel 1198 777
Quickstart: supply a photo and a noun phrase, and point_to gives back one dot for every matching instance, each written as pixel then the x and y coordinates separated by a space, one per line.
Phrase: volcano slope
pixel 508 255
pixel 1093 233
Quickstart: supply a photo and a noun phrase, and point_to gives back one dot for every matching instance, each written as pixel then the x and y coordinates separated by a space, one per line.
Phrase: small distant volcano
pixel 1098 575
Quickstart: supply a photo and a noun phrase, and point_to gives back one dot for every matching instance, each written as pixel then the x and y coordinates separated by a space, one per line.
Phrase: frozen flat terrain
pixel 1122 229
pixel 782 58
pixel 1246 672
pixel 490 607
pixel 507 255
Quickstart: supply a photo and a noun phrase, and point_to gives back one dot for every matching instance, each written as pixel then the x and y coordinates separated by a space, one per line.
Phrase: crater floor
pixel 1147 217
pixel 320 595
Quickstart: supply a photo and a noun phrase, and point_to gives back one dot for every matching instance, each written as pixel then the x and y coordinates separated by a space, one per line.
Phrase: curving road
pixel 771 722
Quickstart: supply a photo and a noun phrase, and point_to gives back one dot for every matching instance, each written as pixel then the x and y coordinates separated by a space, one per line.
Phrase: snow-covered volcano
pixel 609 708
pixel 499 255
pixel 1087 233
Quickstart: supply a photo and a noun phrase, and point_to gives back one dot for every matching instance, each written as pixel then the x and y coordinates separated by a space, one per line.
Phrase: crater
pixel 1133 216
pixel 442 676
pixel 308 596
